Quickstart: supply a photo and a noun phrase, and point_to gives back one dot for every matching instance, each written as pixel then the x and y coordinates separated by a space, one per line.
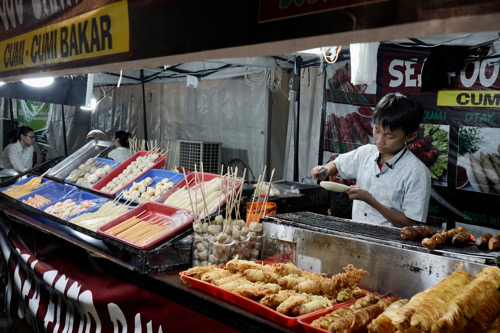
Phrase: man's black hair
pixel 397 111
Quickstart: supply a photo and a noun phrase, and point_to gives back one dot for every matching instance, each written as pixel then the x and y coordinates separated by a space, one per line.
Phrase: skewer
pixel 196 186
pixel 240 194
pixel 202 189
pixel 233 191
pixel 117 198
pixel 230 202
pixel 253 200
pixel 153 236
pixel 43 174
pixel 220 186
pixel 189 195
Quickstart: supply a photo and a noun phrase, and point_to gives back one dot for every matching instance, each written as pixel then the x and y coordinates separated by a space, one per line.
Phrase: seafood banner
pixel 459 138
pixel 54 286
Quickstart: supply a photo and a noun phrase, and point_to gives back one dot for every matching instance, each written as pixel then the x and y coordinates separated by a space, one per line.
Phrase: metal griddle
pixel 370 232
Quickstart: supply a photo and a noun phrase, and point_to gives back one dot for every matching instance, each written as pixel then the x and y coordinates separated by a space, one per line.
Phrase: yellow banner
pixel 469 98
pixel 100 32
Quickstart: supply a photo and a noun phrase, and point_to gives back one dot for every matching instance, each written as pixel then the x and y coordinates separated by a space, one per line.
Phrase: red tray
pixel 249 304
pixel 192 181
pixel 157 211
pixel 307 319
pixel 160 162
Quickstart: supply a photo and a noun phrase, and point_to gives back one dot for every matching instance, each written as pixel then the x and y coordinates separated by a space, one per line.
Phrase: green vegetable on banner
pixel 431 147
pixel 468 138
pixel 35 115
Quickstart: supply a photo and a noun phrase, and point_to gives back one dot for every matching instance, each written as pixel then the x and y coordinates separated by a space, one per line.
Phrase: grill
pixel 387 235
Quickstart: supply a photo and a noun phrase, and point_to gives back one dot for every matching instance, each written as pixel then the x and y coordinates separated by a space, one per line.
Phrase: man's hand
pixel 319 172
pixel 357 193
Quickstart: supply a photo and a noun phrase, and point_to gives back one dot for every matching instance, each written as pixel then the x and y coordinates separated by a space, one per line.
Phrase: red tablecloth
pixel 54 286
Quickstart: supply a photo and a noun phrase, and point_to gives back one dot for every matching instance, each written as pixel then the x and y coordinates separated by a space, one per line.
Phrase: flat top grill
pixel 331 224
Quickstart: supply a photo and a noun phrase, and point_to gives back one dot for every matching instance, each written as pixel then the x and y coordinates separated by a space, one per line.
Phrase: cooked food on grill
pixel 494 243
pixel 482 242
pixel 441 238
pixel 461 238
pixel 417 232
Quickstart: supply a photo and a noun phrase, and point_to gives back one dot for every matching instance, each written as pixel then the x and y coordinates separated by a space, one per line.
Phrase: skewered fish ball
pixel 214 229
pixel 92 178
pixel 203 255
pixel 223 238
pixel 100 173
pixel 256 227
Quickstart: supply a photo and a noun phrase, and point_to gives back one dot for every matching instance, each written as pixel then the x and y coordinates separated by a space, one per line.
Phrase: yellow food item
pixel 17 191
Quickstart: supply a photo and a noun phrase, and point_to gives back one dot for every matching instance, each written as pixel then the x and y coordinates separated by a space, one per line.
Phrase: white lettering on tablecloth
pixel 62 304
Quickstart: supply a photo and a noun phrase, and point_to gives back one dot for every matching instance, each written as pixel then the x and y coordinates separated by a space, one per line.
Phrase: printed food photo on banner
pixel 478 162
pixel 431 147
pixel 341 80
pixel 346 130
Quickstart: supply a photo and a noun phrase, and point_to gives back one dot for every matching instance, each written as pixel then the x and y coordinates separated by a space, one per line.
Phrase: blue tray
pixel 45 181
pixel 94 209
pixel 157 175
pixel 79 196
pixel 113 164
pixel 52 192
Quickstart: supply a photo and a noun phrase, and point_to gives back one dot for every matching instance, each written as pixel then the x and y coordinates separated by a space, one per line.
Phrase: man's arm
pixel 330 169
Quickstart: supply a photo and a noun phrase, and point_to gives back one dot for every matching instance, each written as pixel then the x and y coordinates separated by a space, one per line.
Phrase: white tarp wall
pixel 224 110
pixel 311 99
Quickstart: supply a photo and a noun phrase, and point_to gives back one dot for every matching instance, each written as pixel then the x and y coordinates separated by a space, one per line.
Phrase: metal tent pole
pixel 64 131
pixel 296 88
pixel 323 120
pixel 144 109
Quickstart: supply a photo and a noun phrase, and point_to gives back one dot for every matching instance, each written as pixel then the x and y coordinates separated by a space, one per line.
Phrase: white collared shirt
pixel 15 157
pixel 403 184
pixel 120 154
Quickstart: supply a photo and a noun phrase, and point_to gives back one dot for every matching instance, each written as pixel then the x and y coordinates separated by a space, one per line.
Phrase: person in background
pixel 392 185
pixel 19 154
pixel 122 147
pixel 96 135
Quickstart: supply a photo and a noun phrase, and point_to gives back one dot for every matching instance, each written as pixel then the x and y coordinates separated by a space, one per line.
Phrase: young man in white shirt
pixel 392 185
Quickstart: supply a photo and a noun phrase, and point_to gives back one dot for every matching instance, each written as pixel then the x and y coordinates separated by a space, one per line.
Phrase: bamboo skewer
pixel 220 186
pixel 189 195
pixel 202 189
pixel 266 197
pixel 240 194
pixel 253 200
